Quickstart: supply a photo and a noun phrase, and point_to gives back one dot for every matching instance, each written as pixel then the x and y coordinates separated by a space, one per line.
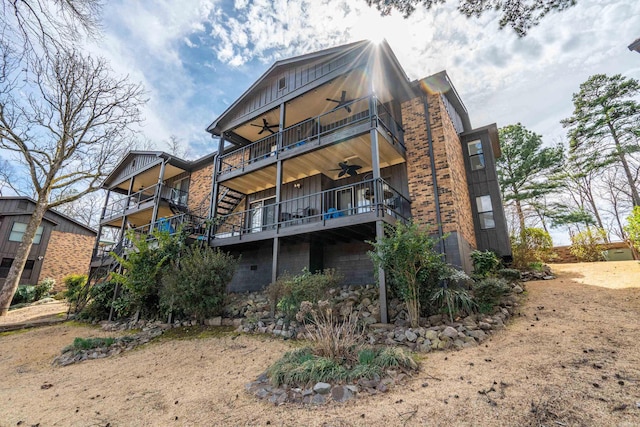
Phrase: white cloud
pixel 500 77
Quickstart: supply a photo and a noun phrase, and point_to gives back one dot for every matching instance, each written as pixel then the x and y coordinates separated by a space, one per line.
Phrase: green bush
pixel 633 228
pixel 485 263
pixel 196 284
pixel 74 284
pixel 588 245
pixel 489 291
pixel 510 274
pixel 412 266
pixel 43 289
pixel 532 245
pixel 25 294
pixel 144 268
pixel 293 290
pixel 100 301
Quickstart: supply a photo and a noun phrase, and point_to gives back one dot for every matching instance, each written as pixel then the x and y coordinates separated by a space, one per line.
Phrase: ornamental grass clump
pixel 332 337
pixel 337 354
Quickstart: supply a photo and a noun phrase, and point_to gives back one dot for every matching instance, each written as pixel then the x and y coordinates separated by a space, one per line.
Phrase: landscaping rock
pixel 214 321
pixel 322 388
pixel 341 393
pixel 410 335
pixel 517 289
pixel 484 326
pixel 318 399
pixel 449 332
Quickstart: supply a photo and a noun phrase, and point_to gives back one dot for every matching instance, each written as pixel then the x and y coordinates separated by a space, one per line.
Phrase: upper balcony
pixel 138 207
pixel 349 123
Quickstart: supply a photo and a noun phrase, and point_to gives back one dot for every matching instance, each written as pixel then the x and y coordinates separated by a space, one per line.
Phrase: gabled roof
pixel 33 203
pixel 176 161
pixel 286 63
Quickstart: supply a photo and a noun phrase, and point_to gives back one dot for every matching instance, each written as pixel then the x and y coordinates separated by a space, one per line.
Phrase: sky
pixel 195 57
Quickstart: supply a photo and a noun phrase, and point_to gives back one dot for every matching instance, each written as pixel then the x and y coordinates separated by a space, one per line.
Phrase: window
pixel 18 231
pixel 485 212
pixel 28 268
pixel 5 265
pixel 476 155
pixel 282 83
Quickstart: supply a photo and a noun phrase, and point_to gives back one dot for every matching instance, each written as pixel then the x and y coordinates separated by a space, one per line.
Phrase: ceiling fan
pixel 347 169
pixel 266 126
pixel 342 101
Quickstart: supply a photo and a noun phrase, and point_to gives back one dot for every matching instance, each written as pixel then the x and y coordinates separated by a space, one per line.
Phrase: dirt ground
pixel 572 358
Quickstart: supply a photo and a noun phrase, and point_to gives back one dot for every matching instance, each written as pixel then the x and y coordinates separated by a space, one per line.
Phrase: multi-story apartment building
pixel 314 159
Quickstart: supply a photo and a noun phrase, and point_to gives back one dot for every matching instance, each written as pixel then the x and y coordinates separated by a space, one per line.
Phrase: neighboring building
pixel 635 46
pixel 315 158
pixel 62 245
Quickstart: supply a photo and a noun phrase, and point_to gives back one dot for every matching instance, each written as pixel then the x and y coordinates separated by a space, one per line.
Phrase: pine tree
pixel 525 167
pixel 603 129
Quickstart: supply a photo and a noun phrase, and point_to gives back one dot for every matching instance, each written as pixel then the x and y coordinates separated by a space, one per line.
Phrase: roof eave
pixel 213 127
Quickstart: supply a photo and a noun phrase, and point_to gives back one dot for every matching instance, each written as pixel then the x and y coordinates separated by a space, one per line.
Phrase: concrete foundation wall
pixel 351 261
pixel 254 270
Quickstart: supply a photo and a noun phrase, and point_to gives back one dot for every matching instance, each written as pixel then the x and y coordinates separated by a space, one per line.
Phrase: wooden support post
pixel 378 194
pixel 382 282
pixel 274 262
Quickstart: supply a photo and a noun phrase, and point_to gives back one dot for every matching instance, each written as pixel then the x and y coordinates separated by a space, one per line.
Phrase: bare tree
pixel 68 122
pixel 176 147
pixel 85 210
pixel 37 27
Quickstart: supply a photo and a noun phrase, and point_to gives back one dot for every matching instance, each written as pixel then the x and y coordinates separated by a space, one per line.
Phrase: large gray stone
pixel 450 332
pixel 478 334
pixel 431 335
pixel 322 388
pixel 435 319
pixel 411 336
pixel 341 394
pixel 318 399
pixel 484 326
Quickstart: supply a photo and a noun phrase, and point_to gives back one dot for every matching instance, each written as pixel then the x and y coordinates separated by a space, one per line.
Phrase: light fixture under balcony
pixel 297 185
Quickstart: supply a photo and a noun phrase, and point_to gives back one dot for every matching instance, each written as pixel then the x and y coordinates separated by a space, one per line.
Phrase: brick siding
pixel 67 253
pixel 453 192
pixel 200 190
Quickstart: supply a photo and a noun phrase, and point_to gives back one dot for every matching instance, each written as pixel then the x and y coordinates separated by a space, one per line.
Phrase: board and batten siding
pixel 295 77
pixel 484 182
pixel 135 165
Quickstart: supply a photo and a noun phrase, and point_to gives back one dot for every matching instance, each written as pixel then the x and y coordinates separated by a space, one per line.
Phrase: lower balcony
pixel 344 206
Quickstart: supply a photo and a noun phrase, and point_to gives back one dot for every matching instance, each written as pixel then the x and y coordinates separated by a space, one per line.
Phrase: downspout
pixel 432 160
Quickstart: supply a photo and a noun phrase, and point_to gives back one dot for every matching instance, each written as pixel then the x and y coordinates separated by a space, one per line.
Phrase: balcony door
pixel 344 201
pixel 262 215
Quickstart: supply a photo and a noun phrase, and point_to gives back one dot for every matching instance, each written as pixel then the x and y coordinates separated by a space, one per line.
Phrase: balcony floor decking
pixel 303 226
